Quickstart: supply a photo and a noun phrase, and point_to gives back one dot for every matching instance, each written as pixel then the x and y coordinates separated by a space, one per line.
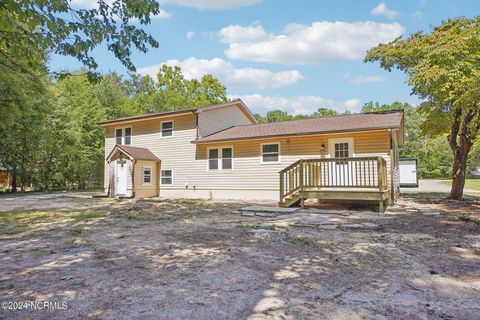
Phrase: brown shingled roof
pixel 135 152
pixel 352 122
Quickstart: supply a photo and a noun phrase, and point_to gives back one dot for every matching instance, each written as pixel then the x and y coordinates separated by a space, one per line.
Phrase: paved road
pixel 42 201
pixel 434 186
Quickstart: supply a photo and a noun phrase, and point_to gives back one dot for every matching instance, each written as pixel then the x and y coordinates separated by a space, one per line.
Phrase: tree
pixel 28 27
pixel 432 152
pixel 173 91
pixel 324 112
pixel 444 70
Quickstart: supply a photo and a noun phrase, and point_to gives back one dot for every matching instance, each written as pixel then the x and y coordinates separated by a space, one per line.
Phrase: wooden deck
pixel 357 179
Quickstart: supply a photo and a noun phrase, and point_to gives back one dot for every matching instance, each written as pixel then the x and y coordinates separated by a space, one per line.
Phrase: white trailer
pixel 408 168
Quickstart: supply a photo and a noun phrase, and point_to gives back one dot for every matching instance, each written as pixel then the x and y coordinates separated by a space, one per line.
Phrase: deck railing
pixel 353 172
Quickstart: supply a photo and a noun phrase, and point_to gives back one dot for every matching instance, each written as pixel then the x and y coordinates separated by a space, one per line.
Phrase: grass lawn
pixel 469 183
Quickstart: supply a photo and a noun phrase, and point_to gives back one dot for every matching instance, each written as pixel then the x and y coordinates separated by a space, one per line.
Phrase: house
pixel 220 151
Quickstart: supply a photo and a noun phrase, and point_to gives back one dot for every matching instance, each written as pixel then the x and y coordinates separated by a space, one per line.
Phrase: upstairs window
pixel 271 152
pixel 166 177
pixel 123 136
pixel 167 129
pixel 220 159
pixel 127 136
pixel 147 175
pixel 118 136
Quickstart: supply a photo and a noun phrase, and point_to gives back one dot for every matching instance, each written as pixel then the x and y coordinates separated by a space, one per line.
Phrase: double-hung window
pixel 220 159
pixel 123 136
pixel 166 177
pixel 167 129
pixel 271 152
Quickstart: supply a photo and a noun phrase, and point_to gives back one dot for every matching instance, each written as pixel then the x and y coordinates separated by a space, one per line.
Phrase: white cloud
pixel 237 33
pixel 92 4
pixel 226 72
pixel 361 79
pixel 212 4
pixel 296 104
pixel 190 35
pixel 319 42
pixel 418 14
pixel 382 10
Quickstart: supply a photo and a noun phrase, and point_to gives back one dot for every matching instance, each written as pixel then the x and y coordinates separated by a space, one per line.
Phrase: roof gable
pixel 136 153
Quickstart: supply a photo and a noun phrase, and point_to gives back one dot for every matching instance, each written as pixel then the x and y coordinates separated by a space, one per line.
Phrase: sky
pixel 295 56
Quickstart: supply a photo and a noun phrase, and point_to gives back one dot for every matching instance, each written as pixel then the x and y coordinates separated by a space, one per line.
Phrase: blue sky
pixel 290 55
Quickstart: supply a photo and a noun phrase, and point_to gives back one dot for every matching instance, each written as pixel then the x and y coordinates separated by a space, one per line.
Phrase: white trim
pixel 143 176
pixel 332 142
pixel 219 159
pixel 161 176
pixel 161 129
pixel 123 135
pixel 279 152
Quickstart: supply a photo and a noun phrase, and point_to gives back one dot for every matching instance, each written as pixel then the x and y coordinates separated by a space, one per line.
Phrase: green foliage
pixel 31 26
pixel 279 115
pixel 58 144
pixel 443 69
pixel 432 152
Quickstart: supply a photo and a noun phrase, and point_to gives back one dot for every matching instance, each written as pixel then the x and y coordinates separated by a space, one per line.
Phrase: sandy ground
pixel 110 259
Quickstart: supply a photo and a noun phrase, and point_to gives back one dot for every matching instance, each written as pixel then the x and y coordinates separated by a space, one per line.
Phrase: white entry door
pixel 121 178
pixel 341 172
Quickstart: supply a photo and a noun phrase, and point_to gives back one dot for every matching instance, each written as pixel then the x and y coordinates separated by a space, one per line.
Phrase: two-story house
pixel 220 151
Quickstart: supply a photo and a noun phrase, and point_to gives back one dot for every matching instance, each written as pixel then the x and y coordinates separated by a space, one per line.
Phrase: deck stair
pixel 353 178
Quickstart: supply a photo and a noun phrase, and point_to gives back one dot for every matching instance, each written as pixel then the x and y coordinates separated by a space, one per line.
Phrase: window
pixel 215 162
pixel 123 136
pixel 128 135
pixel 226 158
pixel 213 159
pixel 270 152
pixel 341 150
pixel 167 129
pixel 166 177
pixel 147 175
pixel 118 136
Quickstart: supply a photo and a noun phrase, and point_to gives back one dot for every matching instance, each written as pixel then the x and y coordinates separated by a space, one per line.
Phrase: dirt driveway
pixel 111 259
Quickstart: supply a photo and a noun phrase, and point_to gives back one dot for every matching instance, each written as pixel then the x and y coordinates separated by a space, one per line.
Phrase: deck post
pixel 282 187
pixel 380 173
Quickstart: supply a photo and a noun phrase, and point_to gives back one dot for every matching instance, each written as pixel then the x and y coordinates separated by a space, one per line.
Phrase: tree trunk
pixel 461 141
pixel 458 175
pixel 14 180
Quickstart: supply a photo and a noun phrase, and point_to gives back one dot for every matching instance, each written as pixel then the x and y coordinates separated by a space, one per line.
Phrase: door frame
pixel 117 175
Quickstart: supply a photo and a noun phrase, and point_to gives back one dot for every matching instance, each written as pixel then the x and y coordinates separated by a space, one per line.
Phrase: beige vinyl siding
pixel 211 121
pixel 249 173
pixel 146 190
pixel 188 161
pixel 176 152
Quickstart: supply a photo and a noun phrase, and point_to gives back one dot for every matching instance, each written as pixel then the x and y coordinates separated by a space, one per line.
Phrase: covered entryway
pixel 133 172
